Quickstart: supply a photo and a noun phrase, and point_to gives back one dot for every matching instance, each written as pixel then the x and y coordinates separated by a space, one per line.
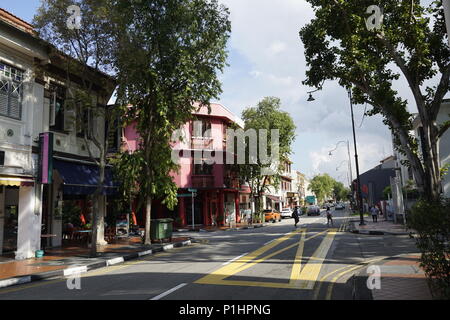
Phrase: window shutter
pixel 69 118
pixel 4 85
pixel 15 101
pixel 52 109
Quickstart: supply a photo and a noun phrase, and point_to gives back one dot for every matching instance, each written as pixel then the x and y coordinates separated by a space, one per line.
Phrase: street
pixel 276 262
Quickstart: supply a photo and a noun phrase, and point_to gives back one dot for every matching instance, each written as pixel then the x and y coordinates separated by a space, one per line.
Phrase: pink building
pixel 219 197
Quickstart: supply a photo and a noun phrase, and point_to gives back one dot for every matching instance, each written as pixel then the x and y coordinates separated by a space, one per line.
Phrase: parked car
pixel 272 215
pixel 340 206
pixel 313 210
pixel 286 213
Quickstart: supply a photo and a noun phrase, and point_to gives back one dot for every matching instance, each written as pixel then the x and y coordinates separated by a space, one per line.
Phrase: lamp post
pixel 358 181
pixel 330 153
pixel 348 178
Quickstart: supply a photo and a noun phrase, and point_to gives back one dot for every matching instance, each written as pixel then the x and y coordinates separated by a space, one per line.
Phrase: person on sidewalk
pixel 374 212
pixel 295 215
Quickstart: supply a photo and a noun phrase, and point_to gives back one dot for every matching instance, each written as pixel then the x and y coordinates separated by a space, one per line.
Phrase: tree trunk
pixel 431 164
pixel 98 216
pixel 148 211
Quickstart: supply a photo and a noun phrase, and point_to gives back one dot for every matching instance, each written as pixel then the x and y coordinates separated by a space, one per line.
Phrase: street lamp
pixel 358 181
pixel 330 153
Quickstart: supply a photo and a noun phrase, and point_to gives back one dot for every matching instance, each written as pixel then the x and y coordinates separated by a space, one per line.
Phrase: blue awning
pixel 82 179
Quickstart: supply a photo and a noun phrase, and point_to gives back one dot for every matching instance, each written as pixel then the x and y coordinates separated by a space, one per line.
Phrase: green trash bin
pixel 161 229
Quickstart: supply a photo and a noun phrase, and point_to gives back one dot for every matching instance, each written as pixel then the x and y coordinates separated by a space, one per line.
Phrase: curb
pixel 78 269
pixel 352 229
pixel 236 228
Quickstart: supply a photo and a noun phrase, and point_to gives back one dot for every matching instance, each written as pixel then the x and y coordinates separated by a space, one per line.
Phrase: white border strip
pixel 114 261
pixel 75 270
pixel 162 295
pixel 14 281
pixel 234 259
pixel 168 247
pixel 145 253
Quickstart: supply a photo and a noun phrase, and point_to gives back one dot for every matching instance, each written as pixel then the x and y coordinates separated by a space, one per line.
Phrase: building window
pixel 57 98
pixel 201 129
pixel 85 123
pixel 203 169
pixel 11 91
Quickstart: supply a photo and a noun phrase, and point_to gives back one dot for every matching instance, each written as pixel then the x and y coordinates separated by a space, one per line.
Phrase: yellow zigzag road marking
pixel 304 279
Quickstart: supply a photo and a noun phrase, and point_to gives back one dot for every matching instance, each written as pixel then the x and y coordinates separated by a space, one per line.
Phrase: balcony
pixel 231 183
pixel 202 143
pixel 203 181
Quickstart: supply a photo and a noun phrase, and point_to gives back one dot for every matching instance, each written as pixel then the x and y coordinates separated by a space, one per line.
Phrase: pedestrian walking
pixel 374 212
pixel 329 217
pixel 295 215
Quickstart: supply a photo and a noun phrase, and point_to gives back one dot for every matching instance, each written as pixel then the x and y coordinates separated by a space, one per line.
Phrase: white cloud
pixel 276 48
pixel 267 59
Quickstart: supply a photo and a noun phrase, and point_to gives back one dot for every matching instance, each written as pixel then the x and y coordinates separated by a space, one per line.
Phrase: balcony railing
pixel 203 181
pixel 202 143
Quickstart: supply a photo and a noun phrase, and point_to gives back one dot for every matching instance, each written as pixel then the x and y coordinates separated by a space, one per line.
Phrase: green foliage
pixel 267 115
pixel 444 170
pixel 340 192
pixel 338 46
pixel 432 223
pixel 167 58
pixel 387 192
pixel 71 213
pixel 322 186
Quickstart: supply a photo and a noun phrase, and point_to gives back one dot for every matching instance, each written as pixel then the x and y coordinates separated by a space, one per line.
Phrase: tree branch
pixel 401 63
pixel 441 91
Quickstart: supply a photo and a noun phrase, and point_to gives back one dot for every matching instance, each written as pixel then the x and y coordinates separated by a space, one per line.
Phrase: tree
pixel 339 46
pixel 85 55
pixel 266 116
pixel 340 192
pixel 322 186
pixel 167 58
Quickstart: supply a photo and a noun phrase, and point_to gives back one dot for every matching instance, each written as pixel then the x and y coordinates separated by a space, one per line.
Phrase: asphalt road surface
pixel 277 262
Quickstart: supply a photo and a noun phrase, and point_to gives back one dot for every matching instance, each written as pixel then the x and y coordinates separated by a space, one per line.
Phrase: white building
pixel 32 92
pixel 405 174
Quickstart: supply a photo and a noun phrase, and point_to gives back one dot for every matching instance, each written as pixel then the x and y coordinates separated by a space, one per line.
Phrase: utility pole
pixel 358 181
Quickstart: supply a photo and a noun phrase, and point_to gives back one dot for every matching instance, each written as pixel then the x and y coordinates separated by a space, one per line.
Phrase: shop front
pixel 20 219
pixel 69 200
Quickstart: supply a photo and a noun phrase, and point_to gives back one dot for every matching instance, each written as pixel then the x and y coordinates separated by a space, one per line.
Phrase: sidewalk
pixel 401 279
pixel 377 228
pixel 59 262
pixel 234 226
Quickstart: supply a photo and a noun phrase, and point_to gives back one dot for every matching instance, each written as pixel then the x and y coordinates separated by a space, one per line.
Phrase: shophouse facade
pixel 43 159
pixel 219 196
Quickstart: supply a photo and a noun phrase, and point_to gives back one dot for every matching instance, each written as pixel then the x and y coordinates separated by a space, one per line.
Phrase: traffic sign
pixel 186 195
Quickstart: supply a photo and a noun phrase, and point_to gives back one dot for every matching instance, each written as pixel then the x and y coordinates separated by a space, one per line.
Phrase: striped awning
pixel 15 181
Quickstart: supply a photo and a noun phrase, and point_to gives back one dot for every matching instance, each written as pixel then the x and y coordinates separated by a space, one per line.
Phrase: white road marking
pixel 269 242
pixel 234 259
pixel 162 295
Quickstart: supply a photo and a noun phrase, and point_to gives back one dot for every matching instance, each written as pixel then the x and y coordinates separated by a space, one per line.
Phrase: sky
pixel 266 59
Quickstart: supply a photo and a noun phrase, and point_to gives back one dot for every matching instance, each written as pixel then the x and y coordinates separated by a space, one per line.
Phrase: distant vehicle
pixel 286 213
pixel 340 206
pixel 271 215
pixel 313 211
